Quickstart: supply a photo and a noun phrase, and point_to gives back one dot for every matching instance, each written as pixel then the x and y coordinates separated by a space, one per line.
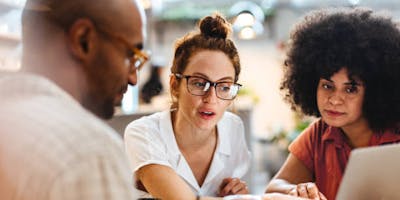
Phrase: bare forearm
pixel 280 186
pixel 162 182
pixel 210 198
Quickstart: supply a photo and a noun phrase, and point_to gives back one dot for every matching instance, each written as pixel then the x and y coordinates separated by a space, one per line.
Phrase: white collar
pixel 223 146
pixel 222 152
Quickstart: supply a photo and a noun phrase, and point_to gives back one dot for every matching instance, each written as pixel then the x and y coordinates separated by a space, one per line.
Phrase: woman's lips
pixel 333 113
pixel 207 114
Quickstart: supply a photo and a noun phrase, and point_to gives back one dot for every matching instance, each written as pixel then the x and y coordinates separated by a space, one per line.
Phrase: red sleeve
pixel 304 146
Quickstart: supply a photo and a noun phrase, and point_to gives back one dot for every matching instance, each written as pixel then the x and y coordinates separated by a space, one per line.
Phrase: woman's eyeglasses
pixel 199 86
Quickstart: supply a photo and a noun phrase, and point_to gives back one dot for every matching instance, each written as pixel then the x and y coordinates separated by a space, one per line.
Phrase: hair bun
pixel 215 26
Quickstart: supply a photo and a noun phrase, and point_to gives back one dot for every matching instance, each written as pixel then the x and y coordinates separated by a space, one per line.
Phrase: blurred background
pixel 261 29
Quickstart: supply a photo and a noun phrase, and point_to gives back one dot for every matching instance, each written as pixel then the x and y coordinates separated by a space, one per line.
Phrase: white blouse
pixel 151 140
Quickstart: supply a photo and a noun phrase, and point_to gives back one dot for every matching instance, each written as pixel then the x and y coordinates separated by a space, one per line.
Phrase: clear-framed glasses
pixel 136 57
pixel 199 86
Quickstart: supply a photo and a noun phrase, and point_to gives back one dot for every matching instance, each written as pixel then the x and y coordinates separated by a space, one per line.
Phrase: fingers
pixel 279 196
pixel 231 186
pixel 225 182
pixel 322 196
pixel 293 192
pixel 240 188
pixel 302 190
pixel 307 190
pixel 221 189
pixel 312 191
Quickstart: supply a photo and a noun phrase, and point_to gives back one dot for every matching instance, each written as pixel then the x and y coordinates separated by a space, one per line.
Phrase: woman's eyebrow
pixel 208 78
pixel 352 83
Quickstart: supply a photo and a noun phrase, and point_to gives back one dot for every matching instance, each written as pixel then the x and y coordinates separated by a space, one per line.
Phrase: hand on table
pixel 280 196
pixel 307 190
pixel 230 186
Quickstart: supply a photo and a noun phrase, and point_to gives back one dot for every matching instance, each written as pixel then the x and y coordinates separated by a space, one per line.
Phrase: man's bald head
pixel 65 12
pixel 90 41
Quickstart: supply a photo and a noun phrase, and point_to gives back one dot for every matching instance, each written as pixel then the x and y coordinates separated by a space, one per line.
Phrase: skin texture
pixel 203 64
pixel 295 179
pixel 88 64
pixel 340 101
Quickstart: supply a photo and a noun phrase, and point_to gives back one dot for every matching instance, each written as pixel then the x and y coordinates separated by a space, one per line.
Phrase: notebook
pixel 372 173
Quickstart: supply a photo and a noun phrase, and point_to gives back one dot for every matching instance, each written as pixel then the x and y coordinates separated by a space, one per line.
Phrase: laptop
pixel 372 173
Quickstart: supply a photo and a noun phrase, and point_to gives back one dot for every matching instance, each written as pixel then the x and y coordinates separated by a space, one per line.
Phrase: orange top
pixel 324 151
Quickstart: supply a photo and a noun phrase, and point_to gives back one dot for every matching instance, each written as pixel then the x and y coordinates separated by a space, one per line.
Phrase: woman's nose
pixel 211 95
pixel 336 98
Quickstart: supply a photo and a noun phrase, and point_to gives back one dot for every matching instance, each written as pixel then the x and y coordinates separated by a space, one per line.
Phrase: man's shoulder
pixel 55 126
pixel 55 142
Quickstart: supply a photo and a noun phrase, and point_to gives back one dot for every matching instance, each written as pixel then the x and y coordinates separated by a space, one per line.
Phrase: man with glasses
pixel 78 58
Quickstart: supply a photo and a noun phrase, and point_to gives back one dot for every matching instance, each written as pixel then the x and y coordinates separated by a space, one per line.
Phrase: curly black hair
pixel 365 42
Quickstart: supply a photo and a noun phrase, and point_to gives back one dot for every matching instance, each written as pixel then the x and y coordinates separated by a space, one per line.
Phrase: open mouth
pixel 207 113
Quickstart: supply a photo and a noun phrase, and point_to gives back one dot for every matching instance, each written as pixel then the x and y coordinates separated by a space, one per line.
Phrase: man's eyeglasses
pixel 136 57
pixel 199 86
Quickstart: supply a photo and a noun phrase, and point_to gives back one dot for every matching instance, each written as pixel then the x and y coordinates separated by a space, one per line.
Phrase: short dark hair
pixel 364 42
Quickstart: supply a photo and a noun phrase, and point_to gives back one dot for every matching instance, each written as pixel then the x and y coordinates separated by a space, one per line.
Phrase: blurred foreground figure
pixel 78 58
pixel 343 66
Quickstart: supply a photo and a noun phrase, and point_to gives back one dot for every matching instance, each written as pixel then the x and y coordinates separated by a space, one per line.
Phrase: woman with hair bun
pixel 196 148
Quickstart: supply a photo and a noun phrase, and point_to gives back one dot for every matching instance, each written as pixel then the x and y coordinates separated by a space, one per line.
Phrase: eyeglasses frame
pixel 137 53
pixel 212 84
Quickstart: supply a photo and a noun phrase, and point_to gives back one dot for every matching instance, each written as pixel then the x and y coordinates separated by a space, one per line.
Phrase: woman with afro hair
pixel 342 66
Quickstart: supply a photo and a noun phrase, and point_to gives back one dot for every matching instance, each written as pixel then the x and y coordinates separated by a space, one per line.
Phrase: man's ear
pixel 81 38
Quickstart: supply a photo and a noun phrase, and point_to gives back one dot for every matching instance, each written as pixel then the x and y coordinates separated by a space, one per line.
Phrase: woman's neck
pixel 358 135
pixel 189 136
pixel 196 145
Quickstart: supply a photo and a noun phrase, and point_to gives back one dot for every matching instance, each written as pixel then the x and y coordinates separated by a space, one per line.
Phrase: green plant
pixel 283 138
